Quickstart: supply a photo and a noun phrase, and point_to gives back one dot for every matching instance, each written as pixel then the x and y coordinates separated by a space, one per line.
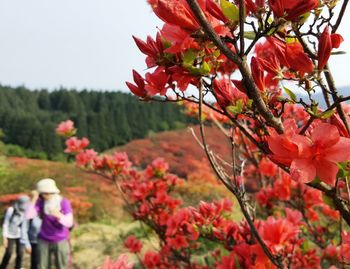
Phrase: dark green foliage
pixel 28 118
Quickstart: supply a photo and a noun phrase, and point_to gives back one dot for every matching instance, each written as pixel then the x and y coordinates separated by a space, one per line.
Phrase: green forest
pixel 28 119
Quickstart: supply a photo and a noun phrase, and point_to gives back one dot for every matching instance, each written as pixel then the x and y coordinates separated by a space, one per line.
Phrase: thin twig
pixel 334 93
pixel 241 26
pixel 340 17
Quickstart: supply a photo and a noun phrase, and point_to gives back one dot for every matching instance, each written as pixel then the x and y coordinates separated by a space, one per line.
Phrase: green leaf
pixel 308 110
pixel 327 114
pixel 272 31
pixel 314 108
pixel 205 68
pixel 303 18
pixel 250 35
pixel 217 53
pixel 230 11
pixel 328 201
pixel 239 104
pixel 237 108
pixel 290 40
pixel 344 170
pixel 237 265
pixel 306 245
pixel 250 103
pixel 290 94
pixel 188 58
pixel 338 52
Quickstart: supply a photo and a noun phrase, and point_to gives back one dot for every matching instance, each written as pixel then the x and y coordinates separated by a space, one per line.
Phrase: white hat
pixel 47 185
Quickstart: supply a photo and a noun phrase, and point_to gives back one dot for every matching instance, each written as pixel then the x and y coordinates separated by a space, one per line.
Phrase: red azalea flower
pixel 176 12
pixel 214 9
pixel 337 39
pixel 75 145
pixel 121 263
pixel 177 242
pixel 297 58
pixel 151 259
pixel 226 94
pixel 66 128
pixel 152 48
pixel 85 157
pixel 258 73
pixel 139 88
pixel 133 244
pixel 312 156
pixel 156 82
pixel 320 155
pixel 324 48
pixel 292 9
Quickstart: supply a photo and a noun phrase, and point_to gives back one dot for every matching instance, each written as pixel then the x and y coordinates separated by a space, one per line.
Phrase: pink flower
pixel 66 128
pixel 321 153
pixel 75 145
pixel 312 156
pixel 85 157
pixel 120 263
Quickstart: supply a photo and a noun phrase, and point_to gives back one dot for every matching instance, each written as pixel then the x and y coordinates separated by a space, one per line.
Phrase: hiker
pixel 12 231
pixel 57 217
pixel 29 238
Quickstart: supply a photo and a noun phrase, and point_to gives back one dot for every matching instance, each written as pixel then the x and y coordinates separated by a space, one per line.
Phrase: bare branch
pixel 340 17
pixel 241 26
pixel 334 93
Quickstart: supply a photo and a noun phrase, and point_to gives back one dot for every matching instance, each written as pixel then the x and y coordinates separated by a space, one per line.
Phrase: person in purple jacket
pixel 57 217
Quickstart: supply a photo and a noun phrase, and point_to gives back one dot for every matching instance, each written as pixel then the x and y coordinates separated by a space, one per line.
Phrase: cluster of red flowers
pixel 182 54
pixel 298 217
pixel 289 155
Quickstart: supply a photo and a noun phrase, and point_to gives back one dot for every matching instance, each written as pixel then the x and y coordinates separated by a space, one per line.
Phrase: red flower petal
pixel 325 135
pixel 303 170
pixel 327 171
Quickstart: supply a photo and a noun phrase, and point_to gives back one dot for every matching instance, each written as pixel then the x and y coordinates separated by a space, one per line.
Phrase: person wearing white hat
pixel 12 230
pixel 57 217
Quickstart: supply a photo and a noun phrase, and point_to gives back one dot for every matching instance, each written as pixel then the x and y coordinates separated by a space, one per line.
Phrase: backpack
pixel 4 214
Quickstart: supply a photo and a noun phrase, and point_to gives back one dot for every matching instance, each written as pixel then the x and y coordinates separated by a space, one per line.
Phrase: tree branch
pixel 275 260
pixel 247 80
pixel 340 17
pixel 241 27
pixel 334 93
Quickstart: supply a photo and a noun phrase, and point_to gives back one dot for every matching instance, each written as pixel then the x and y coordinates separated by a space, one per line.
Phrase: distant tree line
pixel 28 118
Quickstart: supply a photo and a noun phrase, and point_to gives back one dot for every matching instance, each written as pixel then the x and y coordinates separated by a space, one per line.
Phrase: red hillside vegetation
pixel 180 149
pixel 92 195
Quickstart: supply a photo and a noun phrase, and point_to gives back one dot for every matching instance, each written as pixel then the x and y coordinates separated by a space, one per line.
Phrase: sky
pixel 88 43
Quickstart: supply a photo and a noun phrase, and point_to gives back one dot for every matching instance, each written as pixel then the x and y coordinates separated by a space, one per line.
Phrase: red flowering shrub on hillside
pixel 288 158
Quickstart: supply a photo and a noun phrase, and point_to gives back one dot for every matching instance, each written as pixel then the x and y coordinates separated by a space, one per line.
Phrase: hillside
pixel 179 148
pixel 28 119
pixel 91 195
pixel 103 224
pixel 186 159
